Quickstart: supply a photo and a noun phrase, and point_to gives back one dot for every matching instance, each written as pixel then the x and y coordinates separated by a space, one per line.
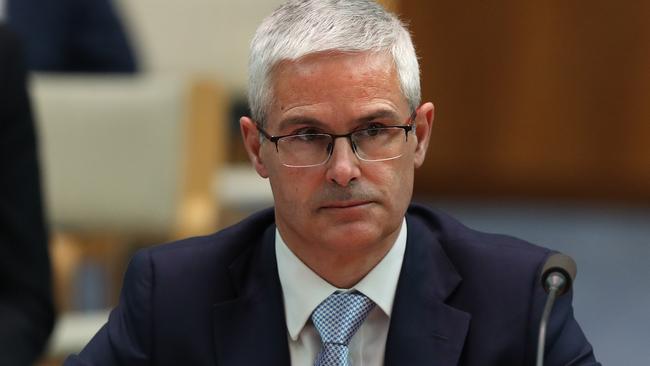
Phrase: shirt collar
pixel 303 290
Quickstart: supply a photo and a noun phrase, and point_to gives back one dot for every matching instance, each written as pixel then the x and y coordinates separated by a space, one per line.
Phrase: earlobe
pixel 253 145
pixel 423 132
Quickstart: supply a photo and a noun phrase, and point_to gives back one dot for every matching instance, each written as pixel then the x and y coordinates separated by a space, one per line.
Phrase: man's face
pixel 346 205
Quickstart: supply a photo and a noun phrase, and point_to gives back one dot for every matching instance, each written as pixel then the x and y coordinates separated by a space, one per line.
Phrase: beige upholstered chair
pixel 124 160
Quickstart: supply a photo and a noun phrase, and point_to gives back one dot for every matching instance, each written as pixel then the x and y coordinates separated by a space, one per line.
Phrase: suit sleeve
pixel 26 309
pixel 566 344
pixel 126 338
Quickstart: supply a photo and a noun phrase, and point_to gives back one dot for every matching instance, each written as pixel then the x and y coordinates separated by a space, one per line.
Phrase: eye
pixel 372 130
pixel 307 137
pixel 375 125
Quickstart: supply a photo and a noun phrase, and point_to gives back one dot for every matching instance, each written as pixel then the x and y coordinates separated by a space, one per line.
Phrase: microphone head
pixel 562 264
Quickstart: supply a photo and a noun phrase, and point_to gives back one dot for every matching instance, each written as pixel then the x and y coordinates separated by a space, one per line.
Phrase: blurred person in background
pixel 71 35
pixel 26 309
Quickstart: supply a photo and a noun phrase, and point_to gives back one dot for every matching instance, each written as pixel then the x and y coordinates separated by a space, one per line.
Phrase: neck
pixel 343 268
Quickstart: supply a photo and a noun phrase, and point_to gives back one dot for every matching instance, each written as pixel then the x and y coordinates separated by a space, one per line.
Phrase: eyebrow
pixel 310 121
pixel 300 120
pixel 379 114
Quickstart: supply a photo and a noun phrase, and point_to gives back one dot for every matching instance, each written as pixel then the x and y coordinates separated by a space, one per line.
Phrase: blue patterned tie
pixel 337 318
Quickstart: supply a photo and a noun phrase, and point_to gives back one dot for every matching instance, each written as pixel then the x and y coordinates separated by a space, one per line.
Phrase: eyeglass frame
pixel 410 126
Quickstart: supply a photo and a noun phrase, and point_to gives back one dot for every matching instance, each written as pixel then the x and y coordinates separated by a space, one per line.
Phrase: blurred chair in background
pixel 71 35
pixel 26 311
pixel 127 161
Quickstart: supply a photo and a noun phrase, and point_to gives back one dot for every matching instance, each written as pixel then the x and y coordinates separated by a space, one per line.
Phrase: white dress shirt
pixel 303 290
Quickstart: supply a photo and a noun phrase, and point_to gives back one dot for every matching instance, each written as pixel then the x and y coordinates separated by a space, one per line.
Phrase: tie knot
pixel 340 315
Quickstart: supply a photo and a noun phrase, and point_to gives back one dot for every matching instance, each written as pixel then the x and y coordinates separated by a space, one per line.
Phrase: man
pixel 26 309
pixel 343 270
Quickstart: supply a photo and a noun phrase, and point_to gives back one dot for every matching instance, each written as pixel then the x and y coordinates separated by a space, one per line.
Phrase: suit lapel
pixel 251 329
pixel 423 329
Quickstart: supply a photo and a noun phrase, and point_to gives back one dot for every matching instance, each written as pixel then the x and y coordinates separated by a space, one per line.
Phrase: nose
pixel 343 165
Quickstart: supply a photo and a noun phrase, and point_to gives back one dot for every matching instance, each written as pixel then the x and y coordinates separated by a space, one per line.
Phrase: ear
pixel 424 122
pixel 253 144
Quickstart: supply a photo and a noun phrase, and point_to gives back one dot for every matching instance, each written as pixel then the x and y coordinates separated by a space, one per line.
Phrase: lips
pixel 345 204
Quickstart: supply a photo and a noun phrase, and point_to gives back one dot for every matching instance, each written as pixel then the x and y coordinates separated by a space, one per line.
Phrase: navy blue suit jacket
pixel 463 298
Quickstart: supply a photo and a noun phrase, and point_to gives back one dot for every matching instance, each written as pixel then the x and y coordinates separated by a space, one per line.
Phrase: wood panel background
pixel 535 99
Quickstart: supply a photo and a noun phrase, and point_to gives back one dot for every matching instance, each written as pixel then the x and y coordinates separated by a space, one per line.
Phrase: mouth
pixel 345 204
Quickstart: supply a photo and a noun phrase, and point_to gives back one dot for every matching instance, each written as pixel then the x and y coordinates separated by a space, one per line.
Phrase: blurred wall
pixel 536 98
pixel 189 37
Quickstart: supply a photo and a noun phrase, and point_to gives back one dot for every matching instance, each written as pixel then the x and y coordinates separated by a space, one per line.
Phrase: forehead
pixel 335 85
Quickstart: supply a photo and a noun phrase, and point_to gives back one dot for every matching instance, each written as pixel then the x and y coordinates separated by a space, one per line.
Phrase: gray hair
pixel 302 27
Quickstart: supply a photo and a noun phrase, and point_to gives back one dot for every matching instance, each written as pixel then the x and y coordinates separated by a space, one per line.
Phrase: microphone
pixel 558 272
pixel 557 276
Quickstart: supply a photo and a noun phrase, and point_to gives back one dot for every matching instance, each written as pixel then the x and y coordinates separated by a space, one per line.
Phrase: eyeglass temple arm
pixel 267 136
pixel 411 126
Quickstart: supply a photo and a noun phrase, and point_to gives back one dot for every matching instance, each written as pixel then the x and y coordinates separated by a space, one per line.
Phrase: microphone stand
pixel 555 283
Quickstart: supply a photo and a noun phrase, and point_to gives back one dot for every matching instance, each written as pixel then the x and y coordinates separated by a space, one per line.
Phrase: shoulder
pixel 475 253
pixel 499 286
pixel 207 254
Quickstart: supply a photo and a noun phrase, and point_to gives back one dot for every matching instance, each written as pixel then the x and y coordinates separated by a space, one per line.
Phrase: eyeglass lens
pixel 374 144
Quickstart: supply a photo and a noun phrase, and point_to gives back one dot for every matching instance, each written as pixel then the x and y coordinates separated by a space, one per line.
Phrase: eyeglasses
pixel 375 143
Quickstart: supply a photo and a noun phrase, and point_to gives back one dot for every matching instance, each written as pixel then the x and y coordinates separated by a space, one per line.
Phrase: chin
pixel 353 234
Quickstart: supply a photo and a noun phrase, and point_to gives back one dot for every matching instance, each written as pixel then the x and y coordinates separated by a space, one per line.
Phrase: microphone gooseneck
pixel 557 276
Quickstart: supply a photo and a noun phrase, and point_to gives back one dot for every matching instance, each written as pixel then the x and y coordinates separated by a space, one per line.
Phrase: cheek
pixel 399 185
pixel 293 187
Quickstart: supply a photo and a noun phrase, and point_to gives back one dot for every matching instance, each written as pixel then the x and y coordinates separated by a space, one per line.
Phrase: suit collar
pixel 251 329
pixel 423 328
